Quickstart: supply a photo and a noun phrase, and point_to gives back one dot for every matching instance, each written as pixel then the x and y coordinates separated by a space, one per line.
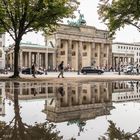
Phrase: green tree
pixel 114 133
pixel 118 13
pixel 80 123
pixel 18 17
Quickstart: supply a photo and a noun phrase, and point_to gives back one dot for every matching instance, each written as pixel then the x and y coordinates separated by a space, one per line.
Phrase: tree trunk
pixel 16 59
pixel 18 120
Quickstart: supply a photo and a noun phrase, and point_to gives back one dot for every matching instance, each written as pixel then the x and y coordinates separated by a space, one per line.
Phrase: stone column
pixel 10 61
pixel 92 48
pixel 80 55
pixel 76 55
pixel 101 63
pixel 108 57
pixel 123 60
pixel 69 52
pixel 77 93
pixel 40 60
pixel 98 92
pixel 66 52
pixel 29 55
pixel 20 59
pixel 26 60
pixel 58 44
pixel 108 91
pixel 132 60
pixel 119 62
pixel 54 60
pixel 37 60
pixel 92 54
pixel 126 60
pixel 67 98
pixel 43 60
pixel 46 60
pixel 90 51
pixel 99 55
pixel 29 90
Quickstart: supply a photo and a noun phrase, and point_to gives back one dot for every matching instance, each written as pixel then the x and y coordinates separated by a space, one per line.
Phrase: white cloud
pixel 32 37
pixel 89 9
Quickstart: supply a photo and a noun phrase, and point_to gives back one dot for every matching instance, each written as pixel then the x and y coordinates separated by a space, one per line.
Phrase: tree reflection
pixel 114 133
pixel 17 130
pixel 80 124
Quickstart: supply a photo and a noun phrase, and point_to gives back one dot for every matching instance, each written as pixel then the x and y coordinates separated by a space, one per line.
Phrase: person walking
pixel 33 70
pixel 61 69
pixel 137 68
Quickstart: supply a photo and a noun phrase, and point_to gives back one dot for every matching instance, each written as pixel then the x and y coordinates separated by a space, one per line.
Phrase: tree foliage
pixel 18 17
pixel 22 131
pixel 80 123
pixel 114 133
pixel 118 13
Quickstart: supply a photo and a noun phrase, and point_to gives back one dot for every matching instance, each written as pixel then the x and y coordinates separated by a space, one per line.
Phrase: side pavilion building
pixel 29 53
pixel 124 54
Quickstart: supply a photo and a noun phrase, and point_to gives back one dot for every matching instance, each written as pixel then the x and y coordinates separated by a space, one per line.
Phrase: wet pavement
pixel 79 110
pixel 73 76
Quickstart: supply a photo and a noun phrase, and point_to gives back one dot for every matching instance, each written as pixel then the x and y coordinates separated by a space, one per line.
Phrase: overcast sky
pixel 89 9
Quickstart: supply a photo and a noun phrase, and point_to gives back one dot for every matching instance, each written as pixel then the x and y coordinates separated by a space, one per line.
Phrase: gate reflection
pixel 67 101
pixel 73 101
pixel 79 101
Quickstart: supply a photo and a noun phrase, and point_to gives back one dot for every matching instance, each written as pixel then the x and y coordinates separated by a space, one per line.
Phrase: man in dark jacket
pixel 61 69
pixel 33 70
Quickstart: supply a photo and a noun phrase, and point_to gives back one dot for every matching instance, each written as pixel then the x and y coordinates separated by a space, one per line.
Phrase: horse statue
pixel 79 22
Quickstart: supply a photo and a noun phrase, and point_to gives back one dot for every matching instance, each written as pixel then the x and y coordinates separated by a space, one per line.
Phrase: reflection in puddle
pixel 81 107
pixel 16 129
pixel 78 101
pixel 2 98
pixel 125 91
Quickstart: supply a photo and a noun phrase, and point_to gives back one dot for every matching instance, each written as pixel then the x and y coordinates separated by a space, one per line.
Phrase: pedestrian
pixel 33 70
pixel 61 91
pixel 137 68
pixel 61 69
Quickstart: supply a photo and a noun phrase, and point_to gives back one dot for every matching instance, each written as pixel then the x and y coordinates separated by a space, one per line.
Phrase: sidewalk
pixel 72 77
